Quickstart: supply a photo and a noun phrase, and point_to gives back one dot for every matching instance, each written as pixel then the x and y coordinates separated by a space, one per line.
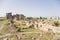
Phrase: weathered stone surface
pixel 13 38
pixel 19 17
pixel 9 16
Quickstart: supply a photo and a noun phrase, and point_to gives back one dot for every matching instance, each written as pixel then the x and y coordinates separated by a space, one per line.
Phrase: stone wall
pixel 9 16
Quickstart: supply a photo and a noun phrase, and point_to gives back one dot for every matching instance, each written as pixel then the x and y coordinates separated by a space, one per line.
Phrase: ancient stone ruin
pixel 9 16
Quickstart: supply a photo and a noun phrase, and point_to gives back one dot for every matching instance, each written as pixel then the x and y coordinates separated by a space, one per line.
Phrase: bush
pixel 40 17
pixel 56 23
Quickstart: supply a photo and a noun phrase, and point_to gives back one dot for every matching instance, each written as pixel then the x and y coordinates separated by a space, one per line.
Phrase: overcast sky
pixel 34 8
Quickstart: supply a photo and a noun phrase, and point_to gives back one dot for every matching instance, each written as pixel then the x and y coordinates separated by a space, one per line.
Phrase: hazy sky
pixel 35 8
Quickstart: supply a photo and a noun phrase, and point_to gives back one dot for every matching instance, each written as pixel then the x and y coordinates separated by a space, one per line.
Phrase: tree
pixel 40 17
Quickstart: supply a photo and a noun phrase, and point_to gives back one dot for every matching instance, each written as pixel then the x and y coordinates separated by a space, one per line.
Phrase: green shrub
pixel 56 23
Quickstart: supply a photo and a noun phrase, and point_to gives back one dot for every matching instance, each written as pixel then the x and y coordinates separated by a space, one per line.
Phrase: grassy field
pixel 26 33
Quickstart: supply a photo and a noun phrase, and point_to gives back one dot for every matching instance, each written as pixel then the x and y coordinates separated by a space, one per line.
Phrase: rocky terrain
pixel 20 27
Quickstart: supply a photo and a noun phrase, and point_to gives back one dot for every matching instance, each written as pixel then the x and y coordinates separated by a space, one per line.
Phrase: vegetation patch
pixel 56 23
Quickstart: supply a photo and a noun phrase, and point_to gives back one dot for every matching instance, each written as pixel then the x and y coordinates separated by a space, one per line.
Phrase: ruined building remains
pixel 9 16
pixel 19 17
